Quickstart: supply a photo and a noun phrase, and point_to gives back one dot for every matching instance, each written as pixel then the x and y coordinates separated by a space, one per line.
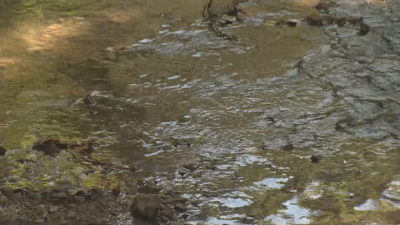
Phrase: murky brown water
pixel 177 94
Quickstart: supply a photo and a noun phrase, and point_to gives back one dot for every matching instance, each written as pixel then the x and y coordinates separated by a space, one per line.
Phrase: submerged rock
pixel 116 191
pixel 324 6
pixel 49 147
pixel 146 207
pixel 2 151
pixel 315 20
pixel 89 100
pixel 364 29
pixel 149 188
pixel 169 215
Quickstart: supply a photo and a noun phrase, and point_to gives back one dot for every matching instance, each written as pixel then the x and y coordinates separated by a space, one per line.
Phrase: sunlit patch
pixel 369 205
pixel 121 16
pixel 38 38
pixel 393 191
pixel 270 183
pixel 4 62
pixel 313 191
pixel 376 1
pixel 293 214
pixel 307 3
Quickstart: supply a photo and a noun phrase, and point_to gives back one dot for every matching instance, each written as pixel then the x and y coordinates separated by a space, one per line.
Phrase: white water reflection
pixel 295 213
pixel 369 205
pixel 270 183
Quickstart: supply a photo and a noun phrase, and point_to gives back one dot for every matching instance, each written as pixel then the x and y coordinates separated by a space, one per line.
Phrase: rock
pixel 315 159
pixel 364 29
pixel 2 151
pixel 58 195
pixel 39 221
pixel 288 148
pixel 35 195
pixel 354 20
pixel 35 202
pixel 180 207
pixel 41 208
pixel 174 200
pixel 315 20
pixel 16 196
pixel 54 208
pixel 49 147
pixel 7 191
pixel 286 23
pixel 164 206
pixel 183 172
pixel 341 22
pixel 71 205
pixel 190 166
pixel 324 6
pixel 169 215
pixel 63 221
pixel 146 207
pixel 116 191
pixel 79 198
pixel 89 100
pixel 92 194
pixel 149 188
pixel 72 215
pixel 3 199
pixel 132 190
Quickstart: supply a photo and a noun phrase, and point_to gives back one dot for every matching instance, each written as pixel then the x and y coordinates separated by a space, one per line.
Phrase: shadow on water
pixel 249 114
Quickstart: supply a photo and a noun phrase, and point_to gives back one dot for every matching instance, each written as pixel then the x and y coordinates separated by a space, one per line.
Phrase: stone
pixel 72 215
pixel 180 207
pixel 190 166
pixel 7 191
pixel 92 194
pixel 174 200
pixel 2 151
pixel 54 208
pixel 89 100
pixel 79 198
pixel 146 207
pixel 3 199
pixel 58 195
pixel 149 188
pixel 169 215
pixel 315 20
pixel 35 195
pixel 40 221
pixel 116 191
pixel 132 190
pixel 324 6
pixel 364 29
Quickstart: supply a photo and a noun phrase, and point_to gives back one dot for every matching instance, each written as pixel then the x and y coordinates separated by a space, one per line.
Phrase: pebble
pixel 180 207
pixel 2 151
pixel 58 195
pixel 149 188
pixel 40 221
pixel 54 208
pixel 80 199
pixel 3 199
pixel 174 200
pixel 72 214
pixel 35 195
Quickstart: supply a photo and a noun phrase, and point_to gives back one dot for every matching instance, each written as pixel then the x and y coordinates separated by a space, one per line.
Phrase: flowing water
pixel 248 114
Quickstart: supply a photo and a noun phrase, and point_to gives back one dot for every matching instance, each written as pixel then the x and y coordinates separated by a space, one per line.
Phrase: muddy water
pixel 248 114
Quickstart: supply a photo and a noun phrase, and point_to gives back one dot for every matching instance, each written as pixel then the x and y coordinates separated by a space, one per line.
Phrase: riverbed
pixel 285 125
